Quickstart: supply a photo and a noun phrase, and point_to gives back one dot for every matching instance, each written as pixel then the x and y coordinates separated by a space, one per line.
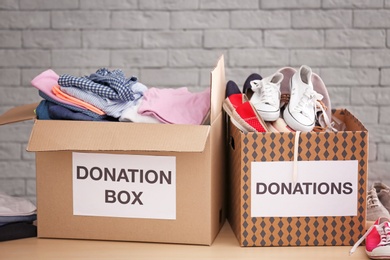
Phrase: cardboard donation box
pixel 289 189
pixel 130 181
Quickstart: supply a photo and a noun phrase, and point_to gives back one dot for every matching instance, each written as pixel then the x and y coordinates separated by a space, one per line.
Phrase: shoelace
pixel 267 91
pixel 324 120
pixel 372 199
pixel 384 232
pixel 309 98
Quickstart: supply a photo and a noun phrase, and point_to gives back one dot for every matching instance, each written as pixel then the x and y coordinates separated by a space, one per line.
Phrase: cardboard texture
pixel 200 167
pixel 243 149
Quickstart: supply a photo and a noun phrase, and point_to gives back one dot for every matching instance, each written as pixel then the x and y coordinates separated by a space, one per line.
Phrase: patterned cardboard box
pixel 244 149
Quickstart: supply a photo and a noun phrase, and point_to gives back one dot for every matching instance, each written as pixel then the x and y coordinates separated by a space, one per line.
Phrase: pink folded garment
pixel 45 82
pixel 176 106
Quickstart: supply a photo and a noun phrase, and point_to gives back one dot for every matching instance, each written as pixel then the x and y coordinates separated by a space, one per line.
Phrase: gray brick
pixel 24 20
pixel 9 4
pixel 258 57
pixel 385 76
pixel 239 75
pixel 379 171
pixel 163 39
pixel 339 96
pixel 84 58
pixel 80 19
pixel 355 38
pixel 167 77
pixel 355 4
pixel 194 58
pixel 350 76
pixel 139 58
pixel 19 169
pixel 294 38
pixel 384 152
pixel 31 185
pixel 24 58
pixel 10 151
pixel 321 57
pixel 48 4
pixel 12 187
pixel 370 58
pixel 231 4
pixel 199 20
pixel 384 113
pixel 168 5
pixel 51 39
pixel 370 96
pixel 372 151
pixel 378 133
pixel 367 114
pixel 233 38
pixel 372 18
pixel 108 4
pixel 10 39
pixel 18 96
pixel 321 19
pixel 118 39
pixel 290 4
pixel 260 19
pixel 16 132
pixel 10 77
pixel 140 20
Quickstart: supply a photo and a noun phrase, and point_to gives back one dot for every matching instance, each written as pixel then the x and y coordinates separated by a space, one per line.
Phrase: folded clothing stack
pixel 110 96
pixel 16 218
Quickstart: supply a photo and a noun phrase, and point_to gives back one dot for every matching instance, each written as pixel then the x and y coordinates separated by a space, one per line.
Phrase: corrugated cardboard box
pixel 127 181
pixel 321 202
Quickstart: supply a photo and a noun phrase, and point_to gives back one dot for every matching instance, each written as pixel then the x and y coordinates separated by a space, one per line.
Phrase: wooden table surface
pixel 224 247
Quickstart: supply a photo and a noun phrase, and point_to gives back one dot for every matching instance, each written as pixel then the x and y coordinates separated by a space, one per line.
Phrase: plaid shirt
pixel 112 85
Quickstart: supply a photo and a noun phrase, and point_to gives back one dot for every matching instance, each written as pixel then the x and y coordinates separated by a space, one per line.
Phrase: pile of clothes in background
pixel 110 96
pixel 17 216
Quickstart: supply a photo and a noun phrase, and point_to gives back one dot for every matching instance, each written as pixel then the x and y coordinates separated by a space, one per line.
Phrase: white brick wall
pixel 176 43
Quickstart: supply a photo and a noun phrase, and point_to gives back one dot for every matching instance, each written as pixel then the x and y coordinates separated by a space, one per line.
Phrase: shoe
pixel 250 82
pixel 266 96
pixel 383 192
pixel 323 107
pixel 375 208
pixel 300 112
pixel 377 240
pixel 241 112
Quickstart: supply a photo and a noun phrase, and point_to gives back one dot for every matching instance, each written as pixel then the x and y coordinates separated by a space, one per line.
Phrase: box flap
pixel 218 89
pixel 18 114
pixel 62 135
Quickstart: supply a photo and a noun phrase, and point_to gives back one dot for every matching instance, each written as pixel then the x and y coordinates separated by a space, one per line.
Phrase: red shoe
pixel 377 240
pixel 243 115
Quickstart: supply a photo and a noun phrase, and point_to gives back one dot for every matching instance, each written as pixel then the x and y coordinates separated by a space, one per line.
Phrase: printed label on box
pixel 321 188
pixel 118 185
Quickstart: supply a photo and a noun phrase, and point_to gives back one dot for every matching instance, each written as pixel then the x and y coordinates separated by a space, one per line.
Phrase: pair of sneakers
pixel 302 95
pixel 378 218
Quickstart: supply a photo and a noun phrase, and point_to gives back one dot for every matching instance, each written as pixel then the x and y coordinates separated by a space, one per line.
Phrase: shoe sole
pixel 269 116
pixel 239 123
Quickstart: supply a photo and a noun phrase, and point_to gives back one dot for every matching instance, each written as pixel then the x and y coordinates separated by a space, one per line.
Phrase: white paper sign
pixel 322 188
pixel 130 186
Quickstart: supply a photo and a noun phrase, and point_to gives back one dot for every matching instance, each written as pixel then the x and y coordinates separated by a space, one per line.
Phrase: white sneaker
pixel 300 113
pixel 266 96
